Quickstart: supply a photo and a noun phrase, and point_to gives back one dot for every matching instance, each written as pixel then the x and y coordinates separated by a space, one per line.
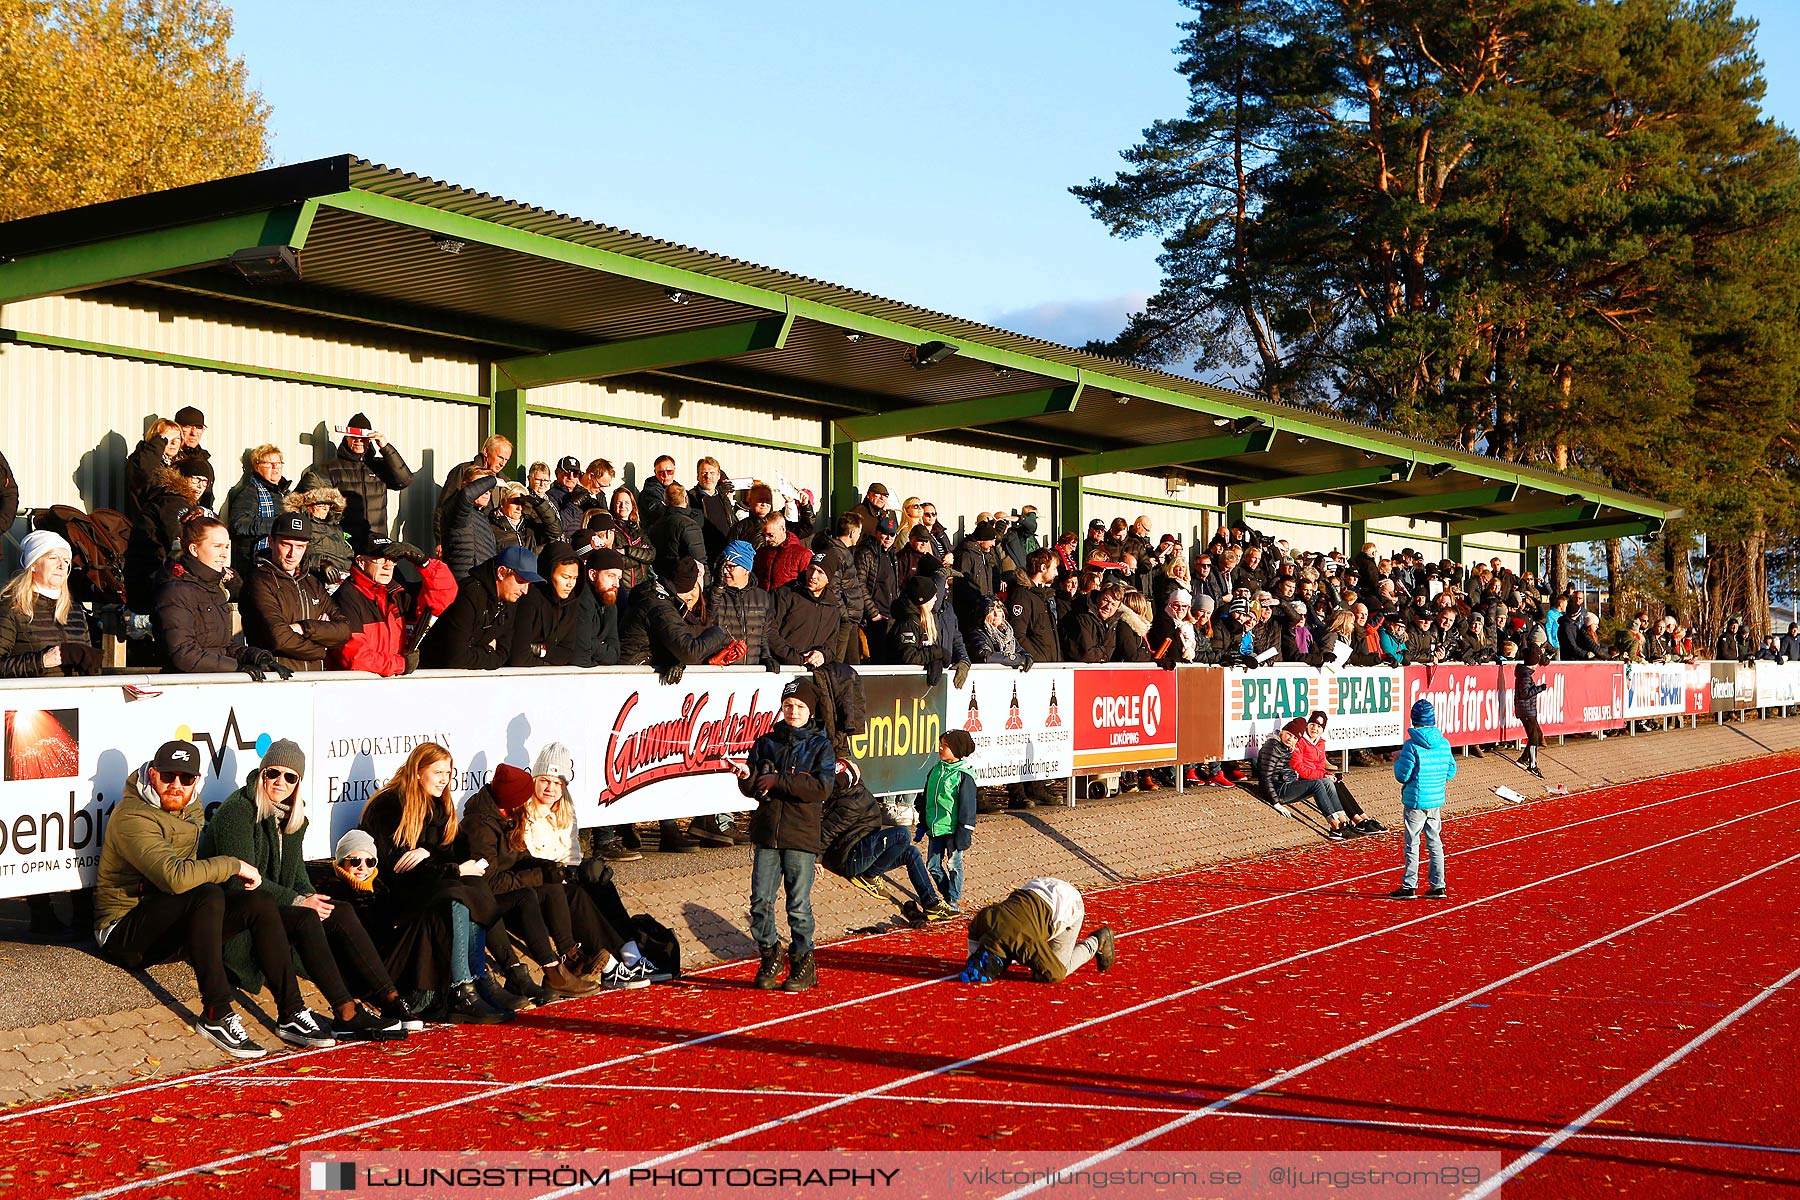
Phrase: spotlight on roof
pixel 1301 441
pixel 931 354
pixel 677 296
pixel 1221 422
pixel 1439 470
pixel 267 264
pixel 1244 425
pixel 449 245
pixel 1121 397
pixel 853 336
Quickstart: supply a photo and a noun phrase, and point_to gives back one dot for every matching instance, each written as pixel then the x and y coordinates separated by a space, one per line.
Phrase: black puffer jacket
pixel 548 630
pixel 364 480
pixel 851 814
pixel 476 631
pixel 879 571
pixel 468 531
pixel 193 618
pixel 846 582
pixel 23 641
pixel 1031 610
pixel 676 535
pixel 800 622
pixel 908 643
pixel 244 515
pixel 655 630
pixel 801 768
pixel 743 613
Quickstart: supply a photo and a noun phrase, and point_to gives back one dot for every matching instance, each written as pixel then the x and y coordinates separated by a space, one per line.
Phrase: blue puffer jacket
pixel 1424 767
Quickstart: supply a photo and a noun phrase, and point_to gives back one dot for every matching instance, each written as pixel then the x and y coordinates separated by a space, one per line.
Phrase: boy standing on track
pixel 947 814
pixel 1424 767
pixel 1037 925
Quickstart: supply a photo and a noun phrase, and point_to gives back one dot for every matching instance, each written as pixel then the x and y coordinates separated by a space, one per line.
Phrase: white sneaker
pixel 620 977
pixel 652 972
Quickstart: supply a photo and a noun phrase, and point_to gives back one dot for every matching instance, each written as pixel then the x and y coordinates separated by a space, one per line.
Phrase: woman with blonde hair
pixel 42 632
pixel 413 823
pixel 912 512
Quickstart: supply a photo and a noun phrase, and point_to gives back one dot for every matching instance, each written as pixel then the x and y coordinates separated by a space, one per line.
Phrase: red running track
pixel 1607 1001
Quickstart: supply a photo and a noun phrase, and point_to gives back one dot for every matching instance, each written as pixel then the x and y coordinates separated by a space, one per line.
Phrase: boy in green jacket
pixel 947 814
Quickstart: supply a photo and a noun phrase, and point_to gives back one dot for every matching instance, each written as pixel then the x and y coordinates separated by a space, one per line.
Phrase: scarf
pixel 1004 639
pixel 367 885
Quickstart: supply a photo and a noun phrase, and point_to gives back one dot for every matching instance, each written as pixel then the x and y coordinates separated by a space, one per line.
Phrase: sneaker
pixel 1107 951
pixel 1235 773
pixel 1334 835
pixel 1437 893
pixel 366 1027
pixel 1218 779
pixel 1368 825
pixel 711 835
pixel 652 972
pixel 768 975
pixel 401 1009
pixel 619 852
pixel 1533 768
pixel 305 1029
pixel 1350 831
pixel 1147 781
pixel 227 1033
pixel 1190 778
pixel 942 912
pixel 620 978
pixel 864 883
pixel 1403 893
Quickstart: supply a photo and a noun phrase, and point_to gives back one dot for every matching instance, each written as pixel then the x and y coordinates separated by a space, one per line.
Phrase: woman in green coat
pixel 264 824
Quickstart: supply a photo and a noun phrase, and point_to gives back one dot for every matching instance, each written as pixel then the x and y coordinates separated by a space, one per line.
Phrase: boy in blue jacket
pixel 947 814
pixel 1425 766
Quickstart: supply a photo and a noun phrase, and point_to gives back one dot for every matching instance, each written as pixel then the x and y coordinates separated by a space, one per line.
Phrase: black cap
pixel 920 588
pixel 919 533
pixel 569 463
pixel 177 757
pixel 598 519
pixel 187 414
pixel 985 531
pixel 295 526
pixel 1096 523
pixel 375 544
pixel 820 563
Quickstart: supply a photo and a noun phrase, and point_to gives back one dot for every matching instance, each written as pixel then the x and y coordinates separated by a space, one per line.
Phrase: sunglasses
pixel 274 773
pixel 184 778
pixel 357 860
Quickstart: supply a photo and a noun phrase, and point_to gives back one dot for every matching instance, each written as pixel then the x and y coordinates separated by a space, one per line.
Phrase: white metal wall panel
pixel 69 420
pixel 1192 525
pixel 632 451
pixel 1011 480
pixel 1299 509
pixel 672 403
pixel 1510 548
pixel 1390 537
pixel 244 340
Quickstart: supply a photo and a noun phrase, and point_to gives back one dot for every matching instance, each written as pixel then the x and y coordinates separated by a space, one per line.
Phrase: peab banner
pixel 1017 721
pixel 1362 705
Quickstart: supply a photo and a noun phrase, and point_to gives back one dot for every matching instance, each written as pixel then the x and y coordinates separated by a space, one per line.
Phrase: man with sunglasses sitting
pixel 264 824
pixel 157 901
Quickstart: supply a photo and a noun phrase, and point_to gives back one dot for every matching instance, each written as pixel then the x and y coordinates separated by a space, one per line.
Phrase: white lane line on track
pixel 1362 1043
pixel 1093 1022
pixel 234 1069
pixel 1548 1146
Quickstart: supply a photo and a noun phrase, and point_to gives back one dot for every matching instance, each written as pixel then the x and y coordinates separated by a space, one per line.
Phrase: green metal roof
pixel 527 281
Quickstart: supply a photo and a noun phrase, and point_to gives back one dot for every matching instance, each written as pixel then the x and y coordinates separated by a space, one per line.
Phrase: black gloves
pixel 1025 662
pixel 934 671
pixel 770 665
pixel 594 871
pixel 79 658
pixel 671 675
pixel 407 552
pixel 412 662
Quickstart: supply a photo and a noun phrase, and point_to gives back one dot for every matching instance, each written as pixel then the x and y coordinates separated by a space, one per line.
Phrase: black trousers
pixel 195 925
pixel 337 951
pixel 1534 733
pixel 522 914
pixel 599 916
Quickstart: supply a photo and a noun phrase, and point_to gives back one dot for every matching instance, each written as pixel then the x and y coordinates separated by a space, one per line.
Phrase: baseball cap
pixel 878 489
pixel 296 526
pixel 887 524
pixel 521 562
pixel 177 756
pixel 374 544
pixel 569 463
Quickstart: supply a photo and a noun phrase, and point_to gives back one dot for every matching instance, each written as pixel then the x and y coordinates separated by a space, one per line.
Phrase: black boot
pixel 768 976
pixel 467 1008
pixel 801 973
pixel 498 997
pixel 518 982
pixel 1016 797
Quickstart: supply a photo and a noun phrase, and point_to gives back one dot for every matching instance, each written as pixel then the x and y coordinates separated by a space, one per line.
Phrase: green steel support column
pixel 1068 503
pixel 846 489
pixel 508 417
pixel 1454 551
pixel 1234 513
pixel 1359 536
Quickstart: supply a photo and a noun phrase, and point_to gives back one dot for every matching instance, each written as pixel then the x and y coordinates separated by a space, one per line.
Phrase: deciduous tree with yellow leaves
pixel 107 98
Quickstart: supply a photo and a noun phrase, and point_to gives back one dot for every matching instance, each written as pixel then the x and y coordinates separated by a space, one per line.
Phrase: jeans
pixel 1431 824
pixel 885 849
pixel 1319 791
pixel 944 861
pixel 770 871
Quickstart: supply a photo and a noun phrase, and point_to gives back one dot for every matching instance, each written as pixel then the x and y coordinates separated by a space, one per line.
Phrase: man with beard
pixel 602 569
pixel 803 624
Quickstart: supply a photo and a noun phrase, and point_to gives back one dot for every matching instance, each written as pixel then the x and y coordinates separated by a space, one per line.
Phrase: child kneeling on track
pixel 947 814
pixel 790 772
pixel 1424 767
pixel 1036 926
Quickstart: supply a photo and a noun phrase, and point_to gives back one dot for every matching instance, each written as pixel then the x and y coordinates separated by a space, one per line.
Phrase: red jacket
pixel 1309 761
pixel 378 618
pixel 778 566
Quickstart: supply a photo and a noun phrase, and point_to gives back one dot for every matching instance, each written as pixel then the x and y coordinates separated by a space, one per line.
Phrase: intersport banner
pixel 1475 703
pixel 1656 689
pixel 1016 718
pixel 1362 704
pixel 1124 716
pixel 69 751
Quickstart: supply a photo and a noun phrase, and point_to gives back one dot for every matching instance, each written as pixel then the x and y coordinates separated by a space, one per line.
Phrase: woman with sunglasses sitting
pixel 264 824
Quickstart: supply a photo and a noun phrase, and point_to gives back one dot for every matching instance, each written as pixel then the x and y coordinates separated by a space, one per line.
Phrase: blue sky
pixel 921 151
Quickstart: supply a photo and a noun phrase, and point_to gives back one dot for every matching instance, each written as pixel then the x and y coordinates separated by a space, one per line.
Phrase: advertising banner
pixel 69 752
pixel 1125 716
pixel 1362 704
pixel 903 722
pixel 1475 705
pixel 1699 688
pixel 1777 684
pixel 1655 690
pixel 1724 686
pixel 1017 721
pixel 1746 685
